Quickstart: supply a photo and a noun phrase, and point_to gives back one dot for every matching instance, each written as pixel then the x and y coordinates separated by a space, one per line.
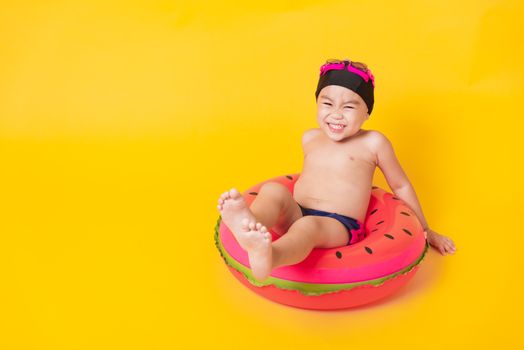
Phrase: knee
pixel 275 189
pixel 307 226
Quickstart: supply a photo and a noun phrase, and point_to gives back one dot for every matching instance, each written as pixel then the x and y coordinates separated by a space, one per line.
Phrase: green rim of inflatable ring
pixel 308 289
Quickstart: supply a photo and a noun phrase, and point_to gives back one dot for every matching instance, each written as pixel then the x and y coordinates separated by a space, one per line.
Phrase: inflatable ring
pixel 342 277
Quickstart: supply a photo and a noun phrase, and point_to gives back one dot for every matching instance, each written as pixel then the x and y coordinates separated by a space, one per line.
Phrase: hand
pixel 442 243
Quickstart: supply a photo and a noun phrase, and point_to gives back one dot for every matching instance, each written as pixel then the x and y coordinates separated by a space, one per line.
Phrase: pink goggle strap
pixel 364 75
pixel 339 66
pixel 331 66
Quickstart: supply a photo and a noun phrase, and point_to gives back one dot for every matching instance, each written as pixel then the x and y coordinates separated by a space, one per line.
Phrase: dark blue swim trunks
pixel 354 227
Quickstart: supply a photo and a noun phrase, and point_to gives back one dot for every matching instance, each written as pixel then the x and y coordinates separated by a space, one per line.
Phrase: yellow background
pixel 122 123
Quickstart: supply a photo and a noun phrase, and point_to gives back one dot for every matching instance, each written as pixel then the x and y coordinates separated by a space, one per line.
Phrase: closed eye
pixel 329 104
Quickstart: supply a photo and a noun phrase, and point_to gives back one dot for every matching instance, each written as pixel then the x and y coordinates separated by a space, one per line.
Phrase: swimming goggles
pixel 355 67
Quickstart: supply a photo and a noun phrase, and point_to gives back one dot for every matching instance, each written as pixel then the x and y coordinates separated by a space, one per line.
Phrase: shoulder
pixel 378 144
pixel 309 135
pixel 376 139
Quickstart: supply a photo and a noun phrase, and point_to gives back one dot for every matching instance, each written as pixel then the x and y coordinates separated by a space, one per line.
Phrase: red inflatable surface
pixel 341 277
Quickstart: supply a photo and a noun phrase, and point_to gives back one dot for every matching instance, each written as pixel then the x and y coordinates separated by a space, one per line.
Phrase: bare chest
pixel 342 160
pixel 336 177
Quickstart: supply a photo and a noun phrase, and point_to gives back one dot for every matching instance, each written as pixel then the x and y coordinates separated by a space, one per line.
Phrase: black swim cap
pixel 348 78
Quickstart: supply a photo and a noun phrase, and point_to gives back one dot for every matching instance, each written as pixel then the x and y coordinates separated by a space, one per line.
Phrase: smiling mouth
pixel 336 127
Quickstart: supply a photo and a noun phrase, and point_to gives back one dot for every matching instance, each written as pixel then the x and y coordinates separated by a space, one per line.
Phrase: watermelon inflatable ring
pixel 342 277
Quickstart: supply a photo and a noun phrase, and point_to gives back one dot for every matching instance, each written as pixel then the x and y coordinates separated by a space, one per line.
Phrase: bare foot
pixel 233 209
pixel 259 249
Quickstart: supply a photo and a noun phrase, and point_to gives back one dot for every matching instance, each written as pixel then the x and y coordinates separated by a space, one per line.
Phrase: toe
pixel 252 225
pixel 258 226
pixel 245 224
pixel 234 193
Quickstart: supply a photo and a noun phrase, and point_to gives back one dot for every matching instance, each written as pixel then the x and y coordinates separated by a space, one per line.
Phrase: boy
pixel 331 196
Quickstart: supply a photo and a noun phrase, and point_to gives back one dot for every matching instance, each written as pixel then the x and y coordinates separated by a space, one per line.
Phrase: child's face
pixel 343 107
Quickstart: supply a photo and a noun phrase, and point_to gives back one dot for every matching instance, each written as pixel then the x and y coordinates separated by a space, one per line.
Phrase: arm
pixel 395 176
pixel 399 183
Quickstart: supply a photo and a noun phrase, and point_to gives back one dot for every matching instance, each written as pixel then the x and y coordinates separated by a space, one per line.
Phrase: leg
pixel 305 234
pixel 275 206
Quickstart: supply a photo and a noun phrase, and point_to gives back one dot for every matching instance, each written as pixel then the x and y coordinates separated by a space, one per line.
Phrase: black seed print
pixel 407 231
pixel 253 193
pixel 373 211
pixel 396 198
pixel 404 213
pixel 389 236
pixel 374 187
pixel 368 249
pixel 378 223
pixel 289 177
pixel 376 229
pixel 339 255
